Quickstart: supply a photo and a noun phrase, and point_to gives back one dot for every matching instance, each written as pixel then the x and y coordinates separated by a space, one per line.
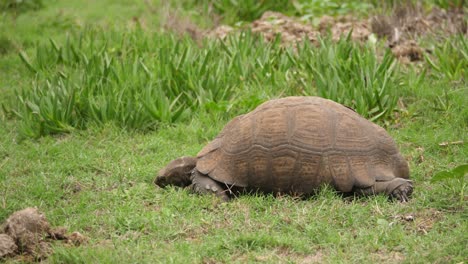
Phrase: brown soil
pixel 410 22
pixel 407 24
pixel 7 246
pixel 28 233
pixel 342 26
pixel 182 26
pixel 408 51
pixel 421 221
pixel 272 24
pixel 385 256
pixel 401 29
pixel 220 32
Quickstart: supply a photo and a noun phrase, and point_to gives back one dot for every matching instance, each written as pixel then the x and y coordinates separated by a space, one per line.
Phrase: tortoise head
pixel 177 172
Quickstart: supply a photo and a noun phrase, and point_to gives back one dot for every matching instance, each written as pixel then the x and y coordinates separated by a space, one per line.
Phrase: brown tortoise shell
pixel 295 144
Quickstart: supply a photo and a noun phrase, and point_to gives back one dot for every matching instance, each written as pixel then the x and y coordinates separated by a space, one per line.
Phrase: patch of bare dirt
pixel 292 31
pixel 278 255
pixel 173 20
pixel 385 256
pixel 342 26
pixel 421 221
pixel 220 32
pixel 408 51
pixel 317 257
pixel 408 23
pixel 28 233
pixel 402 28
pixel 286 255
pixel 182 25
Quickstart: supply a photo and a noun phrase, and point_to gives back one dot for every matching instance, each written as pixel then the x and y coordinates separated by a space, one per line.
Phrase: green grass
pixel 97 177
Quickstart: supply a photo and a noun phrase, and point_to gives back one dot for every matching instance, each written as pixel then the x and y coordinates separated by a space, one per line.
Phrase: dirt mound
pixel 411 22
pixel 291 30
pixel 401 29
pixel 407 24
pixel 272 24
pixel 220 32
pixel 28 232
pixel 342 26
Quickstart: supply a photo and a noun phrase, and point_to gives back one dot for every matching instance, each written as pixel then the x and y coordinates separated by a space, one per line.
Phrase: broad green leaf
pixel 456 173
pixel 460 171
pixel 442 175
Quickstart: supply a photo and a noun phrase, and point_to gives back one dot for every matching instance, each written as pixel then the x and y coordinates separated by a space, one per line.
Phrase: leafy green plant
pixel 454 179
pixel 20 6
pixel 6 45
pixel 353 76
pixel 446 4
pixel 450 60
pixel 442 102
pixel 100 78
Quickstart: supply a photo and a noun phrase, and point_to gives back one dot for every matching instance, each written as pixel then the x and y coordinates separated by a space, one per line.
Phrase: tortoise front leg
pixel 203 184
pixel 397 188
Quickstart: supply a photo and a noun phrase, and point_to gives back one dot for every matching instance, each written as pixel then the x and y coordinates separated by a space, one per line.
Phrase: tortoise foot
pixel 403 192
pixel 203 184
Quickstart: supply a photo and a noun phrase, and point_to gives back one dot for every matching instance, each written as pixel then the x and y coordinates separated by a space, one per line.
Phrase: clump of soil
pixel 28 228
pixel 7 246
pixel 220 32
pixel 421 221
pixel 27 232
pixel 272 24
pixel 408 51
pixel 342 26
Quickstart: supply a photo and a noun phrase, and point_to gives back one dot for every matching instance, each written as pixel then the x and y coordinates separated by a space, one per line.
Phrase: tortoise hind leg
pixel 203 184
pixel 397 188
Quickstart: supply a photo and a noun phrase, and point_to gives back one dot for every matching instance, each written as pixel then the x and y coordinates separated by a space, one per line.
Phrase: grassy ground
pixel 98 181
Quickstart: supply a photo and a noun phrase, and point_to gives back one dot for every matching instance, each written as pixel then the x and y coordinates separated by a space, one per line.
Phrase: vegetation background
pixel 96 96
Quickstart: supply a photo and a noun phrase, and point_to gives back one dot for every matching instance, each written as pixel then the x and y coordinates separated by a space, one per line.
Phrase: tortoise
pixel 293 145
